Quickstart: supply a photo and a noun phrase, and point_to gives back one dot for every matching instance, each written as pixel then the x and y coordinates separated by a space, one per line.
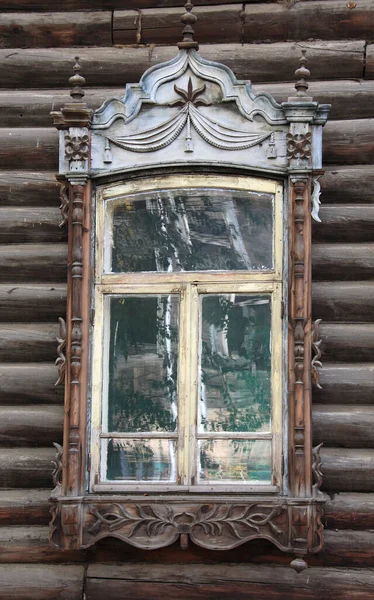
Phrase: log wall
pixel 260 41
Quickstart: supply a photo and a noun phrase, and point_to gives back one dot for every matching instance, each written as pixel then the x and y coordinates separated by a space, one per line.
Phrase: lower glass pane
pixel 235 461
pixel 143 363
pixel 235 363
pixel 141 460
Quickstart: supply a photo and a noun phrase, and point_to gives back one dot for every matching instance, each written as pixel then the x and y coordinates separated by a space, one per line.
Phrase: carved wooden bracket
pixel 286 523
pixel 316 347
pixel 61 358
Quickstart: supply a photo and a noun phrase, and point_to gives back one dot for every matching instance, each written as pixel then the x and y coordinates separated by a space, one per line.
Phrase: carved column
pixel 299 314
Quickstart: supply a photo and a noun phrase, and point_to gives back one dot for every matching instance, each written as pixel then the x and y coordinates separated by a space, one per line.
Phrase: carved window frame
pixel 284 145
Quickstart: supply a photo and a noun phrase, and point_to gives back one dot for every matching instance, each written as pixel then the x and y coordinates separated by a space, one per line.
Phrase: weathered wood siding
pixel 116 45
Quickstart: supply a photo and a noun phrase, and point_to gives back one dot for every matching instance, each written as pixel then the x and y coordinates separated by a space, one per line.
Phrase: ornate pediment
pixel 195 109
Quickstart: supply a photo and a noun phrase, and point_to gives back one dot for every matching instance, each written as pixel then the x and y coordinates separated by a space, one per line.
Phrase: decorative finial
pixel 302 74
pixel 77 82
pixel 188 19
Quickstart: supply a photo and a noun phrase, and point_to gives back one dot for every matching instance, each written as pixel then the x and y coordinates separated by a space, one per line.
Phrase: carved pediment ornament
pixel 211 131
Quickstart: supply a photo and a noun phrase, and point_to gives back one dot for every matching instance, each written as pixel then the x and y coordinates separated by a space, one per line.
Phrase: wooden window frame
pixel 284 145
pixel 188 285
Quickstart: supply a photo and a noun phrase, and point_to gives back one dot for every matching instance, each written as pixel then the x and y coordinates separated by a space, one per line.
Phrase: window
pixel 187 368
pixel 189 335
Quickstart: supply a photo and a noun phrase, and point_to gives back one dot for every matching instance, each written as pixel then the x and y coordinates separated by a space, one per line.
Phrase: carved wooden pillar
pixel 300 323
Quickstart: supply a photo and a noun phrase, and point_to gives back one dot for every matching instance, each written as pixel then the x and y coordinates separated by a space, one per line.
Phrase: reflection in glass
pixel 143 361
pixel 240 461
pixel 235 363
pixel 141 460
pixel 193 230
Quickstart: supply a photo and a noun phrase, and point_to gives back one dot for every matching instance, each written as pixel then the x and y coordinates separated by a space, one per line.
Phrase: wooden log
pixel 28 342
pixel 40 582
pixel 348 184
pixel 345 222
pixel 29 148
pixel 222 23
pixel 342 301
pixel 51 67
pixel 34 224
pixel 31 108
pixel 29 382
pixel 349 142
pixel 353 548
pixel 348 426
pixel 347 342
pixel 36 425
pixel 24 507
pixel 369 71
pixel 33 262
pixel 54 29
pixel 26 467
pixel 27 188
pixel 192 582
pixel 326 20
pixel 29 544
pixel 349 511
pixel 348 383
pixel 342 261
pixel 347 470
pixel 33 302
pixel 73 5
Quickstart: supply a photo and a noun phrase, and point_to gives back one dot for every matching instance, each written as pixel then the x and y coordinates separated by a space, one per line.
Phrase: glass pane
pixel 143 363
pixel 240 461
pixel 141 460
pixel 235 363
pixel 193 230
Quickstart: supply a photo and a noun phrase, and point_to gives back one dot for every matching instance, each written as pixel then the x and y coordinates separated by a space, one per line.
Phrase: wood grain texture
pixel 339 262
pixel 36 425
pixel 347 342
pixel 53 29
pixel 325 20
pixel 33 302
pixel 350 511
pixel 20 108
pixel 38 582
pixel 51 68
pixel 29 188
pixel 348 426
pixel 222 581
pixel 349 142
pixel 347 469
pixel 34 224
pixel 223 23
pixel 24 507
pixel 26 467
pixel 29 148
pixel 343 301
pixel 29 383
pixel 22 342
pixel 33 262
pixel 351 223
pixel 346 383
pixel 348 184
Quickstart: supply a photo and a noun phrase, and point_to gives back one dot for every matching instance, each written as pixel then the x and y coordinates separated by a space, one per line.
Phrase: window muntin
pixel 183 459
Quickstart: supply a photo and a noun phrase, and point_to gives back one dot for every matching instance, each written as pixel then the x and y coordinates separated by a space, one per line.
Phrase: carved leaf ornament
pixel 212 132
pixel 231 521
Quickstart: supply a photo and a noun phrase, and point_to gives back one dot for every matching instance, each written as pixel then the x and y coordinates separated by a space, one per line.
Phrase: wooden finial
pixel 77 82
pixel 302 74
pixel 188 19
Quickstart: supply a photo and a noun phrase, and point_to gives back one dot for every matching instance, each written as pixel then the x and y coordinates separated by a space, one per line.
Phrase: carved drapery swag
pixel 192 113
